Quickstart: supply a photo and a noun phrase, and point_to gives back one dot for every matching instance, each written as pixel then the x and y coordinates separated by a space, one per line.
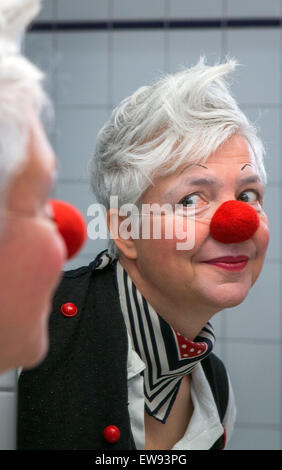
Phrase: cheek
pixel 189 235
pixel 31 260
pixel 178 239
pixel 262 235
pixel 38 252
pixel 50 252
pixel 261 240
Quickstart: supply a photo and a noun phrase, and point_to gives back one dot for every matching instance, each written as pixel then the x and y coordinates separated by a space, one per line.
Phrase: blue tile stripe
pixel 43 26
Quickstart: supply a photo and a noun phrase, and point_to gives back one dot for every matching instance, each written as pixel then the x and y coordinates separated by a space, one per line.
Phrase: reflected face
pixel 188 276
pixel 32 254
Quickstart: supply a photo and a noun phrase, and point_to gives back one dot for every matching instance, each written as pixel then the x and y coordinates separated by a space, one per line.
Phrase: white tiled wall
pixel 195 9
pixel 128 9
pixel 254 9
pixel 83 10
pixel 180 51
pixel 8 399
pixel 82 68
pixel 258 52
pixel 90 72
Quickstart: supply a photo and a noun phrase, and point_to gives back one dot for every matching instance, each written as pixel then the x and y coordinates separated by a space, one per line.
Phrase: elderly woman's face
pixel 32 254
pixel 186 275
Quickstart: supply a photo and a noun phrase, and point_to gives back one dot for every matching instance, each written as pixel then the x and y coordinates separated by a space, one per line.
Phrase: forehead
pixel 231 160
pixel 231 157
pixel 234 150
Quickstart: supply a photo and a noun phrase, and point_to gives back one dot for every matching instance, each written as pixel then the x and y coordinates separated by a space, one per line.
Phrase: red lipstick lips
pixel 230 263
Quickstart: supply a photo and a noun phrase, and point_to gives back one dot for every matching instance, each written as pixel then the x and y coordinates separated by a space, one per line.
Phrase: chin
pixel 229 295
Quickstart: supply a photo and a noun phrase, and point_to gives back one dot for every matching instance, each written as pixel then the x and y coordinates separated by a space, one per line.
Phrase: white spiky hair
pixel 20 86
pixel 15 15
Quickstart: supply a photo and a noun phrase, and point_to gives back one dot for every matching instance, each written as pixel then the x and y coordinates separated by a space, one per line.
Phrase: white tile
pixel 186 47
pixel 272 207
pixel 7 421
pixel 138 59
pixel 218 323
pixel 197 9
pixel 257 79
pixel 83 10
pixel 255 318
pixel 219 350
pixel 47 11
pixel 76 131
pixel 80 195
pixel 134 9
pixel 255 438
pixel 39 48
pixel 255 375
pixel 78 261
pixel 251 8
pixel 82 74
pixel 8 379
pixel 267 121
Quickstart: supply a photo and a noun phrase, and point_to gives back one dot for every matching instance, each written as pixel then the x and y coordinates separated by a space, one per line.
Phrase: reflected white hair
pixel 20 87
pixel 182 117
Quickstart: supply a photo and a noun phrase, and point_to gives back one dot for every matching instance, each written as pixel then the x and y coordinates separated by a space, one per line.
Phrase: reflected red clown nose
pixel 70 224
pixel 234 222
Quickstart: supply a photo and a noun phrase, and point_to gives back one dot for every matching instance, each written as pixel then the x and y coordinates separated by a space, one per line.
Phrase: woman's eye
pixel 249 196
pixel 190 200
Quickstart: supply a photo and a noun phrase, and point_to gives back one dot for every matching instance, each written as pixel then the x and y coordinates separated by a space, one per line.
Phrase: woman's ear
pixel 120 228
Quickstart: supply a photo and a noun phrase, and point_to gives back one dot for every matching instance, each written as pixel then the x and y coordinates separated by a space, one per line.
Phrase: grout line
pixel 224 31
pixel 259 106
pixel 111 104
pixel 266 426
pixel 110 57
pixel 83 255
pixel 10 389
pixel 94 107
pixel 253 341
pixel 272 184
pixel 55 49
pixel 280 269
pixel 166 38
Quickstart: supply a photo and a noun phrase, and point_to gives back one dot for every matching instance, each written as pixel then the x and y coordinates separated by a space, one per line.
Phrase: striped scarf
pixel 167 354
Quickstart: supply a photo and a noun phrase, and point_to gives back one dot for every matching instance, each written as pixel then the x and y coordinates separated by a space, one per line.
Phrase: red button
pixel 68 309
pixel 111 434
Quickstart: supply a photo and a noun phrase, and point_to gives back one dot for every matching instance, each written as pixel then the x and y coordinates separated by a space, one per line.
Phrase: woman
pixel 29 238
pixel 131 362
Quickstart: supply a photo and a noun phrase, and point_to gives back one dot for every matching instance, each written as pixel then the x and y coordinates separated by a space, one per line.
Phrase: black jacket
pixel 81 387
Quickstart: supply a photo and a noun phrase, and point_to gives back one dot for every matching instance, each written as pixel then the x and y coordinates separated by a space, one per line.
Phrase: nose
pixel 234 222
pixel 71 225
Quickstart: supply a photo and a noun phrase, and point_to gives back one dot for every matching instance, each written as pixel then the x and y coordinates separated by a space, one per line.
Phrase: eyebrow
pixel 244 166
pixel 215 182
pixel 212 181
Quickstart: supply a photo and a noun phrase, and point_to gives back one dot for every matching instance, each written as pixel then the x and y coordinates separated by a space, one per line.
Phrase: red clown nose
pixel 234 222
pixel 70 224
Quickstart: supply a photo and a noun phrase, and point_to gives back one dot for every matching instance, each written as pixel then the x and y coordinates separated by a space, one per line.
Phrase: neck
pixel 192 314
